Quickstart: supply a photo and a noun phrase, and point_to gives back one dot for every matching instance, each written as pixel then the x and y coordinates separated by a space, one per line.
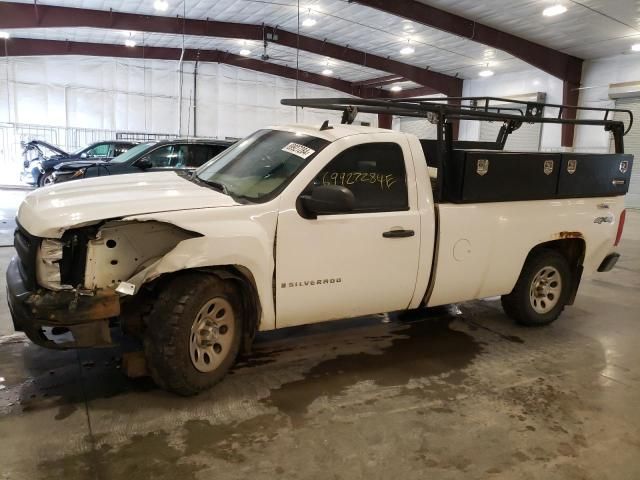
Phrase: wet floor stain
pixel 230 442
pixel 420 349
pixel 259 357
pixel 143 456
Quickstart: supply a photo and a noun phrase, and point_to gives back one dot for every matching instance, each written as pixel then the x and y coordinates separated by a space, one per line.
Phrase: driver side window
pixel 168 156
pixel 99 151
pixel 374 172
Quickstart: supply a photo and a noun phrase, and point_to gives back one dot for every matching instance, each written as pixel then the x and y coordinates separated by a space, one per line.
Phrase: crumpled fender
pixel 227 239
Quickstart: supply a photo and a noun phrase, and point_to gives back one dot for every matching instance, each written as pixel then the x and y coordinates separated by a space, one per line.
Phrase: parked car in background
pixel 41 157
pixel 178 154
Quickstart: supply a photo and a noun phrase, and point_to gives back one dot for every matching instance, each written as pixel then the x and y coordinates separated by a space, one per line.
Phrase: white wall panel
pixel 512 84
pixel 144 96
pixel 597 75
pixel 33 104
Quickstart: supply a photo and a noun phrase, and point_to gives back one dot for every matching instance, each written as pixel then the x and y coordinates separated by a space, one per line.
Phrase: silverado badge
pixel 624 166
pixel 482 166
pixel 548 167
pixel 571 166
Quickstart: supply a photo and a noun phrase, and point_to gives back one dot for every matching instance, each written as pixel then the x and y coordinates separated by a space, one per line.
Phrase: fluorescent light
pixel 635 47
pixel 308 22
pixel 486 73
pixel 161 5
pixel 130 43
pixel 4 35
pixel 408 50
pixel 553 11
pixel 396 88
pixel 327 71
pixel 245 53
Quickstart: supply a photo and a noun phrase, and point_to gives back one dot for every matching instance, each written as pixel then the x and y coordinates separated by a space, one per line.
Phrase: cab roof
pixel 335 132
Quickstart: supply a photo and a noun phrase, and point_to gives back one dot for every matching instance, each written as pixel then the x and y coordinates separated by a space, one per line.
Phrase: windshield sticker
pixel 299 150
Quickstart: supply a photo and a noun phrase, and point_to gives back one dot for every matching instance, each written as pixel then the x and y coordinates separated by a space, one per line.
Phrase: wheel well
pixel 243 279
pixel 573 249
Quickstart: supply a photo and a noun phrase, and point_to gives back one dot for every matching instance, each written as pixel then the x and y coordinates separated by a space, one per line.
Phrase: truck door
pixel 354 263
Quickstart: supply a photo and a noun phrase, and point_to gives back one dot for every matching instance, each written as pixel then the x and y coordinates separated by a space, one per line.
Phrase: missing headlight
pixel 48 265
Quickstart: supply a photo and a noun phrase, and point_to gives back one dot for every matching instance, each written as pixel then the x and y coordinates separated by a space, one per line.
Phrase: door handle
pixel 398 234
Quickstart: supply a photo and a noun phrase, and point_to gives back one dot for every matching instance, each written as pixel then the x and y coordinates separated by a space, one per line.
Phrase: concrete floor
pixel 462 393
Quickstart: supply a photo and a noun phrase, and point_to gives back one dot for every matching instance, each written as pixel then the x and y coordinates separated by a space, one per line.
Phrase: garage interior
pixel 448 392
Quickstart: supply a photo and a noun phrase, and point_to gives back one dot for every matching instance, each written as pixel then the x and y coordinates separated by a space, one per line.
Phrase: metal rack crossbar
pixel 443 110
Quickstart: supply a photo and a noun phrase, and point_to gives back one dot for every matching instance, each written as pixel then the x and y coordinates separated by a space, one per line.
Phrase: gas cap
pixel 462 250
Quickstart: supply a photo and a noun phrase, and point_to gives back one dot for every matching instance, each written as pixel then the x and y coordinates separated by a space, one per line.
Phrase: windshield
pixel 80 150
pixel 132 152
pixel 258 167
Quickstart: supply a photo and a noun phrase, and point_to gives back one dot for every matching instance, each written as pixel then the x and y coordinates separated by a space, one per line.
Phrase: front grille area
pixel 26 246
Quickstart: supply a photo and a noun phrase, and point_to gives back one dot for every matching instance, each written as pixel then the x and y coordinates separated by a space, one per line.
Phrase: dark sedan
pixel 41 157
pixel 147 157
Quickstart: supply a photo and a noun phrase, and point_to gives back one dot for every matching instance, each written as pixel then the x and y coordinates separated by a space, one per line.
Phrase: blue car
pixel 40 158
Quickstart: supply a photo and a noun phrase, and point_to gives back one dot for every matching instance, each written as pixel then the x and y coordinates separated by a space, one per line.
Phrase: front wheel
pixel 193 333
pixel 46 179
pixel 542 290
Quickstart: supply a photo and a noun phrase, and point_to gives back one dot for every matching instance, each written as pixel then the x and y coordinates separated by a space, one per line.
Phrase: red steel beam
pixel 30 47
pixel 23 15
pixel 570 96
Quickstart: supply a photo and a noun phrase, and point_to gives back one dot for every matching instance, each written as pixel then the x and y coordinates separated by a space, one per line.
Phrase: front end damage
pixel 63 293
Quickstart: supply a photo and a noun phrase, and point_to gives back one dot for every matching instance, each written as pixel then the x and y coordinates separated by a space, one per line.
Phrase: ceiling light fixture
pixel 161 5
pixel 408 50
pixel 130 43
pixel 327 71
pixel 308 22
pixel 245 52
pixel 554 10
pixel 485 73
pixel 635 47
pixel 396 88
pixel 4 35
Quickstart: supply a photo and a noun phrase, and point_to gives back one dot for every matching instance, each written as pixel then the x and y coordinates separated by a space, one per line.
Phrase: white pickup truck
pixel 296 225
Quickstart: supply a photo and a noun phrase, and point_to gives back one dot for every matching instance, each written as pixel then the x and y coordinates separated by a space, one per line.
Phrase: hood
pixel 77 164
pixel 49 211
pixel 39 144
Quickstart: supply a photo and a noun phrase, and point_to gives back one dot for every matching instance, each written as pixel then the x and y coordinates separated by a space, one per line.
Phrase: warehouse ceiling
pixel 588 29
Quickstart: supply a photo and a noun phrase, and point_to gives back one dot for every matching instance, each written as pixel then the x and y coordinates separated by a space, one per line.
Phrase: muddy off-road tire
pixel 541 291
pixel 193 333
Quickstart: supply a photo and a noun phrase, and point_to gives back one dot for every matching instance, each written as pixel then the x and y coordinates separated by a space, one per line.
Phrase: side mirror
pixel 144 163
pixel 83 155
pixel 328 199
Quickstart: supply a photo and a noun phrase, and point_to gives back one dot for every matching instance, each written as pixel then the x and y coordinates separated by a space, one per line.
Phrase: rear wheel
pixel 542 290
pixel 193 333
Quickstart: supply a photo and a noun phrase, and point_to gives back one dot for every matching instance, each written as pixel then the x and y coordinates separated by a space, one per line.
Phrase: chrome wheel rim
pixel 47 180
pixel 211 335
pixel 545 290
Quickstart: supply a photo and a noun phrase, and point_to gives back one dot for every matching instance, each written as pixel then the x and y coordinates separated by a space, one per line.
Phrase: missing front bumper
pixel 60 319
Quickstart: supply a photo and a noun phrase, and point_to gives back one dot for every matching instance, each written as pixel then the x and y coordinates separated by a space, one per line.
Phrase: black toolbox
pixel 473 176
pixel 594 175
pixel 490 176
